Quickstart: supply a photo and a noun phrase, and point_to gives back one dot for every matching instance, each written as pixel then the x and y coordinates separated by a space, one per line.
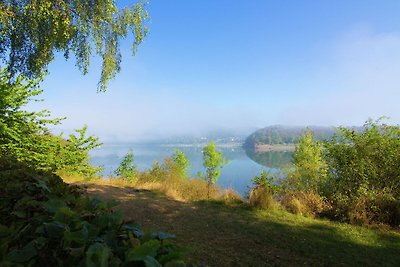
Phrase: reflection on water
pixel 271 159
pixel 237 174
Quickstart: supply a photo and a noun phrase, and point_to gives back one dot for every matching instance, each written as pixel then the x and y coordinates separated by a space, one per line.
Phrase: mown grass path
pixel 235 235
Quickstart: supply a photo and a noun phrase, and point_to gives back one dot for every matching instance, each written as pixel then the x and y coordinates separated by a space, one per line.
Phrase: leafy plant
pixel 25 137
pixel 127 167
pixel 263 191
pixel 309 167
pixel 364 173
pixel 182 162
pixel 213 161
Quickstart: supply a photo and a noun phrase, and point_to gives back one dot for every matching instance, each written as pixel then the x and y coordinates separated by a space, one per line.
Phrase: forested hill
pixel 278 134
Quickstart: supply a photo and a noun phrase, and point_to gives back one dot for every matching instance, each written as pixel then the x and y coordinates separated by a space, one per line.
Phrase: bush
pixel 364 173
pixel 305 203
pixel 262 193
pixel 309 167
pixel 230 196
pixel 262 198
pixel 127 167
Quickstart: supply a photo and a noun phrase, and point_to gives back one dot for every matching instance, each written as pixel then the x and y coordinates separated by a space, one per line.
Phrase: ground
pixel 236 235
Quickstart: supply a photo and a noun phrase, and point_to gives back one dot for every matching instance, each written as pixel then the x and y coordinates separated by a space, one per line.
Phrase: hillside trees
pixel 31 31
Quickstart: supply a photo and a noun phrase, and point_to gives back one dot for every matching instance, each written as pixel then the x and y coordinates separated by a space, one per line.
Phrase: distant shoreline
pixel 275 147
pixel 224 145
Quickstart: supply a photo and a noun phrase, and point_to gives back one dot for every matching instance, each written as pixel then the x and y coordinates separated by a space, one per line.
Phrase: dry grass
pixel 230 196
pixel 304 203
pixel 177 188
pixel 262 198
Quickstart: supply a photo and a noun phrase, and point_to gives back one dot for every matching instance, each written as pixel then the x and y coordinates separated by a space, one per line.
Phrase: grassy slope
pixel 224 235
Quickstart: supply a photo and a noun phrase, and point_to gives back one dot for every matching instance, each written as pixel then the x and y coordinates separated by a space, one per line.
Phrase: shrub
pixel 262 193
pixel 261 198
pixel 364 173
pixel 181 162
pixel 230 196
pixel 305 203
pixel 127 167
pixel 309 167
pixel 24 135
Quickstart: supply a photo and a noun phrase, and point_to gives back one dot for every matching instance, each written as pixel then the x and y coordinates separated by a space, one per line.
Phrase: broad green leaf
pixel 97 255
pixel 148 248
pixel 23 255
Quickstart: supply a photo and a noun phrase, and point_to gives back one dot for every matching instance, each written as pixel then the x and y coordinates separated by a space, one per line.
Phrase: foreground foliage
pixel 45 222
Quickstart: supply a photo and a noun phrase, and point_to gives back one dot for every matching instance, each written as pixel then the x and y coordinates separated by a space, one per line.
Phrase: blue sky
pixel 240 65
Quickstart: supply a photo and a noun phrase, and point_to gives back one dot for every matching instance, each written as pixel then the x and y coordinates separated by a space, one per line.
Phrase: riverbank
pixel 223 234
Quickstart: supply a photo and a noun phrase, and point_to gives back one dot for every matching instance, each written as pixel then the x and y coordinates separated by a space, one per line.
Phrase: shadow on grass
pixel 236 235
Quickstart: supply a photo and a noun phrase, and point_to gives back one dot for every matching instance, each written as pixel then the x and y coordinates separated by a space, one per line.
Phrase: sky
pixel 237 66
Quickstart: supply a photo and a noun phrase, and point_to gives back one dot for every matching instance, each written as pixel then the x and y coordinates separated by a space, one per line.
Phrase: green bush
pixel 364 173
pixel 127 167
pixel 309 170
pixel 357 173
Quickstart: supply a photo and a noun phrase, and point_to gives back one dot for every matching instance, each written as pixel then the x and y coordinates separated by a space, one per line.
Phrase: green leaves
pixel 23 255
pixel 213 161
pixel 148 248
pixel 24 135
pixel 127 168
pixel 48 223
pixel 310 169
pixel 181 162
pixel 97 255
pixel 32 30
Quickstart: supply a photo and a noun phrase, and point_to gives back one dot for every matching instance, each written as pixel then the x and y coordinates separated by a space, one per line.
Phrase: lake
pixel 237 174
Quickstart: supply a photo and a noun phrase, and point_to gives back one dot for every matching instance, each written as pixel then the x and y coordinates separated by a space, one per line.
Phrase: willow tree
pixel 31 31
